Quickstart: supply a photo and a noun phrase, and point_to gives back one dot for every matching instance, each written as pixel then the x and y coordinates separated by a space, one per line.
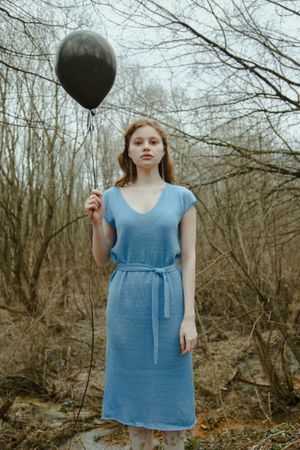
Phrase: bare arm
pixel 188 259
pixel 104 236
pixel 188 331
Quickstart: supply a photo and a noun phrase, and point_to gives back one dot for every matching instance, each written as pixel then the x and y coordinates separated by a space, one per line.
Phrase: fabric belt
pixel 157 272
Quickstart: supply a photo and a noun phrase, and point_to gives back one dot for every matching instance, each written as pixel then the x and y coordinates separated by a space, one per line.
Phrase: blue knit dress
pixel 148 383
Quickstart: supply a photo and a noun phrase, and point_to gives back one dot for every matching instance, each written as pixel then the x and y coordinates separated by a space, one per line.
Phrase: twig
pixel 290 444
pixel 257 446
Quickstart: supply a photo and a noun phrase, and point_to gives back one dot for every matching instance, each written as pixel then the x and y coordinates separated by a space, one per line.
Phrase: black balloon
pixel 86 67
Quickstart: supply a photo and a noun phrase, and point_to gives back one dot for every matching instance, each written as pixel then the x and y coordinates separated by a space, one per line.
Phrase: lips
pixel 146 157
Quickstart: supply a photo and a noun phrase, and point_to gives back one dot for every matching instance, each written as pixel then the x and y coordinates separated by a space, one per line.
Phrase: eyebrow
pixel 151 137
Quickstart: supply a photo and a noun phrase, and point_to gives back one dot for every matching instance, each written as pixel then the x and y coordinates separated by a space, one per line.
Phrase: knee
pixel 133 427
pixel 173 437
pixel 139 431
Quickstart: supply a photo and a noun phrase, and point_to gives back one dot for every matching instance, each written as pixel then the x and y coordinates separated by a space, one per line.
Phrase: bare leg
pixel 141 438
pixel 174 440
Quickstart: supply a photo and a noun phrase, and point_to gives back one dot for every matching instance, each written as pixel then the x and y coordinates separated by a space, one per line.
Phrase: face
pixel 146 141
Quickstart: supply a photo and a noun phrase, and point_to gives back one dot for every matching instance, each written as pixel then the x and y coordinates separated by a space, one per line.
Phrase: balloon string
pixel 90 127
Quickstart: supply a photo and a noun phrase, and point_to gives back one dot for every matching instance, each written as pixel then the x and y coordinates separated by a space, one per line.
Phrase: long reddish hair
pixel 124 159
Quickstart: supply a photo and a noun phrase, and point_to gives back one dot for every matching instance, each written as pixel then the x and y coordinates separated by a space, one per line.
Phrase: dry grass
pixel 44 366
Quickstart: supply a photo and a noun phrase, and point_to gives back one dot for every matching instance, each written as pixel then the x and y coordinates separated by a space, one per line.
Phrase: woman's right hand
pixel 94 206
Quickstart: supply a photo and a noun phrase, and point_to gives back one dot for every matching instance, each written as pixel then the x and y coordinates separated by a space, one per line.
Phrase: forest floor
pixel 44 369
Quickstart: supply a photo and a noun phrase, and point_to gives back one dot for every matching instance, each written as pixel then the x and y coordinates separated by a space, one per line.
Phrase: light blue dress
pixel 148 383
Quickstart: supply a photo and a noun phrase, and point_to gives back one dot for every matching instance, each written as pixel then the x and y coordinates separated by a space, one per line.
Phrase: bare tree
pixel 238 62
pixel 240 68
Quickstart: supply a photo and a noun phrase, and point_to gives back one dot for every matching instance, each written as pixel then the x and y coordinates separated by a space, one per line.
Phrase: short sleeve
pixel 108 216
pixel 189 199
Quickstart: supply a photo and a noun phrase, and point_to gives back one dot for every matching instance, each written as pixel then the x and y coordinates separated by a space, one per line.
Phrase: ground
pixel 234 404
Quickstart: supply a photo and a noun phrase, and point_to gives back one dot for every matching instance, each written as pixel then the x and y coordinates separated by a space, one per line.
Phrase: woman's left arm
pixel 188 332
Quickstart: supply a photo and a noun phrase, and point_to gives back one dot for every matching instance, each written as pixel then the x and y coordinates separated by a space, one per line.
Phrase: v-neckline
pixel 147 212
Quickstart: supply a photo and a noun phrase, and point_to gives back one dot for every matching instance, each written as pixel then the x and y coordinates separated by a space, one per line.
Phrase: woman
pixel 145 223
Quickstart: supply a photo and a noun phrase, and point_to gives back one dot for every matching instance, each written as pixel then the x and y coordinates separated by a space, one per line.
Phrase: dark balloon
pixel 86 67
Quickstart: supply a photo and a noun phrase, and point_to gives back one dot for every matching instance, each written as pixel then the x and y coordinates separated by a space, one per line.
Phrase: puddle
pixel 90 440
pixel 93 440
pixel 58 414
pixel 47 409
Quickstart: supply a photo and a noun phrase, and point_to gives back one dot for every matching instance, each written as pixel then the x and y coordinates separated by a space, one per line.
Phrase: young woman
pixel 147 225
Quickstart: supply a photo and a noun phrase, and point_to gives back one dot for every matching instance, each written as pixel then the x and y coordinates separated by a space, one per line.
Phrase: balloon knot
pixel 90 125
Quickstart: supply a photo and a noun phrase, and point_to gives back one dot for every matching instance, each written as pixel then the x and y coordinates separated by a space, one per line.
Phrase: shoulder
pixel 185 197
pixel 181 189
pixel 109 191
pixel 109 196
pixel 108 205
